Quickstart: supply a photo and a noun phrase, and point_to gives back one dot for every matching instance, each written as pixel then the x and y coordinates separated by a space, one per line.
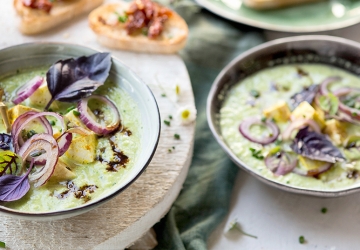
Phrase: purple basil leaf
pixel 307 94
pixel 8 162
pixel 5 141
pixel 315 147
pixel 85 73
pixel 13 187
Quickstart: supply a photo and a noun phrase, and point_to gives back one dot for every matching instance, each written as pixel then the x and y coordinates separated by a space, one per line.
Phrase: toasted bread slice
pixel 273 4
pixel 113 34
pixel 34 21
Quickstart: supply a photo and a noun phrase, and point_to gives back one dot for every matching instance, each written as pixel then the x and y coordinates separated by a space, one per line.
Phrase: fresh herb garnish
pixel 52 123
pixel 177 136
pixel 170 117
pixel 324 210
pixel 73 79
pixel 76 113
pixel 234 225
pixel 256 154
pixel 263 119
pixel 255 93
pixel 278 142
pixel 2 244
pixel 5 141
pixel 315 146
pixel 167 122
pixel 307 95
pixel 169 150
pixel 14 187
pixel 329 103
pixel 144 31
pixel 163 95
pixel 301 239
pixel 8 163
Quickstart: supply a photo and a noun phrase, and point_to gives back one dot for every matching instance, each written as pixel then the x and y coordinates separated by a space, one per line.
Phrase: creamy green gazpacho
pixel 297 125
pixel 91 162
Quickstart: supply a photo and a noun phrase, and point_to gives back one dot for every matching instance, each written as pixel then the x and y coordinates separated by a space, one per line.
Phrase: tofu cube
pixel 18 110
pixel 306 111
pixel 279 112
pixel 336 130
pixel 41 96
pixel 82 149
pixel 74 121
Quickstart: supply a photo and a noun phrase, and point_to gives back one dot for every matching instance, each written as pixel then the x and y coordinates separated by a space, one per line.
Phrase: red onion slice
pixel 313 172
pixel 28 89
pixel 280 163
pixel 94 125
pixel 352 112
pixel 324 85
pixel 64 142
pixel 248 123
pixel 299 124
pixel 41 142
pixel 22 126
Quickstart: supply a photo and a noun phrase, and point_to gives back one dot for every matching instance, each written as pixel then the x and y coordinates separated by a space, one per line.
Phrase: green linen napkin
pixel 205 197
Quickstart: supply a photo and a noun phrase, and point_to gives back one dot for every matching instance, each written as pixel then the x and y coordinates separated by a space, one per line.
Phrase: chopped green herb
pixel 144 31
pixel 278 142
pixel 167 122
pixel 354 114
pixel 234 225
pixel 50 110
pixel 288 182
pixel 255 93
pixel 52 123
pixel 256 154
pixel 177 136
pixel 163 95
pixel 76 113
pixel 169 150
pixel 263 119
pixel 301 239
pixel 17 71
pixel 2 244
pixel 173 147
pixel 122 19
pixel 273 120
pixel 69 109
pixel 170 117
pixel 324 210
pixel 30 133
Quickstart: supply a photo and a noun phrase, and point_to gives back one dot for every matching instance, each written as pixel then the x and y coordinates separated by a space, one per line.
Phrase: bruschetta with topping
pixel 142 26
pixel 40 15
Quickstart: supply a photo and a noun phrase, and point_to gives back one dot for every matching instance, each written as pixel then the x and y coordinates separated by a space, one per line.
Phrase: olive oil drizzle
pixel 79 193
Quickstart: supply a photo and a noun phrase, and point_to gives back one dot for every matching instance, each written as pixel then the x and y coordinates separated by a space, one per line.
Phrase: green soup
pixel 115 154
pixel 264 90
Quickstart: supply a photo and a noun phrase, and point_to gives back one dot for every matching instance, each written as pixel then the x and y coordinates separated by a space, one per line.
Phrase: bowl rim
pixel 70 212
pixel 211 115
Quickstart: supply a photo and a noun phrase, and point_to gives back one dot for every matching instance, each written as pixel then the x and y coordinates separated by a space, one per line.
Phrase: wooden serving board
pixel 123 220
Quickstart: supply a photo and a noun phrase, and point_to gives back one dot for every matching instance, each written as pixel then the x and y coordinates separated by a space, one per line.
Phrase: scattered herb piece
pixel 163 95
pixel 169 150
pixel 167 122
pixel 255 93
pixel 76 113
pixel 329 103
pixel 170 117
pixel 17 71
pixel 234 225
pixel 69 109
pixel 2 244
pixel 144 31
pixel 324 210
pixel 256 154
pixel 263 119
pixel 301 239
pixel 122 18
pixel 173 147
pixel 52 123
pixel 278 142
pixel 177 136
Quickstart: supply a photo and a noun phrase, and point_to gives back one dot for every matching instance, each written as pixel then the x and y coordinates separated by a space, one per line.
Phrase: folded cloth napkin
pixel 205 197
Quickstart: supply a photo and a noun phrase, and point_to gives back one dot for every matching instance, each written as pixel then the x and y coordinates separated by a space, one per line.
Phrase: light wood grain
pixel 124 219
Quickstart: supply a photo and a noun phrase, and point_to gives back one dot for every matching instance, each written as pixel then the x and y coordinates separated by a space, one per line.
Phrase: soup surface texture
pixel 267 95
pixel 115 154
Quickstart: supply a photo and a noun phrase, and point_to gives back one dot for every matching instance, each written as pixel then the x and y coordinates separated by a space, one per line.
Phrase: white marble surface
pixel 279 218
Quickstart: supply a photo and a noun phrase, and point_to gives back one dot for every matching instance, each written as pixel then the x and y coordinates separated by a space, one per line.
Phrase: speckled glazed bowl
pixel 32 55
pixel 334 51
